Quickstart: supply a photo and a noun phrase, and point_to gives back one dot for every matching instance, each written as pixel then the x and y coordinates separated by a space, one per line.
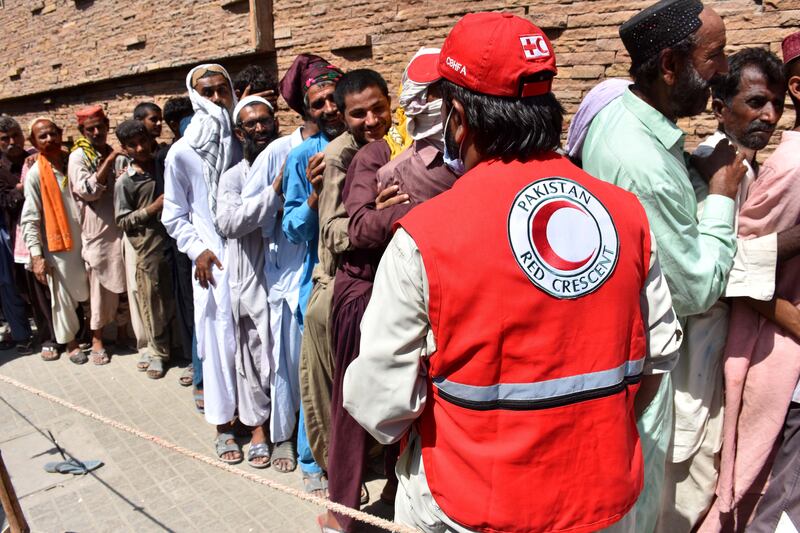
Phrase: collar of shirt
pixel 666 131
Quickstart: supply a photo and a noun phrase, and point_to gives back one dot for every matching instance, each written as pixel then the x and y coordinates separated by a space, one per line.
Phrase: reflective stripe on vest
pixel 541 394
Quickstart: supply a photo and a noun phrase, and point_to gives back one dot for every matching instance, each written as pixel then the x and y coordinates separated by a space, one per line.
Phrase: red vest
pixel 535 273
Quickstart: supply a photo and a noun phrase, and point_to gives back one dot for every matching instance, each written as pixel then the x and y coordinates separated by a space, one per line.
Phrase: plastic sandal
pixel 156 368
pixel 143 363
pixel 199 402
pixel 187 376
pixel 99 358
pixel 257 451
pixel 78 356
pixel 284 450
pixel 73 467
pixel 50 353
pixel 222 447
pixel 315 482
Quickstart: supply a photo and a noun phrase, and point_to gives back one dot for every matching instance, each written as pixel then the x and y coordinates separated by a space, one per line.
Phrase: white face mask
pixel 424 120
pixel 454 164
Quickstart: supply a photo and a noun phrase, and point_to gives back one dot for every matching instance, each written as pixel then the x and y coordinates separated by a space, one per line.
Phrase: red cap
pixel 423 68
pixel 791 47
pixel 496 54
pixel 88 112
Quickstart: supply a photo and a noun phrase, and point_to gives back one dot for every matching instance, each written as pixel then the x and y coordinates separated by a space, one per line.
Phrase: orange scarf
pixel 56 225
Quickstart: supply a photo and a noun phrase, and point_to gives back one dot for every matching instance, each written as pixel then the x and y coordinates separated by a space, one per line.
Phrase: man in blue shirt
pixel 315 81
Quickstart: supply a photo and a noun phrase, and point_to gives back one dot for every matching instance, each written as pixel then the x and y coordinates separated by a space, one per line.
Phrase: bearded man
pixel 677 48
pixel 240 222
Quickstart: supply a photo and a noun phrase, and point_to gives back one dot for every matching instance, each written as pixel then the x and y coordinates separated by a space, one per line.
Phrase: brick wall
pixel 59 44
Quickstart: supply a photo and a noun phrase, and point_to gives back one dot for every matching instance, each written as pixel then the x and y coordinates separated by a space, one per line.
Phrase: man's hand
pixel 268 95
pixel 156 206
pixel 40 269
pixel 723 168
pixel 316 165
pixel 203 271
pixel 390 196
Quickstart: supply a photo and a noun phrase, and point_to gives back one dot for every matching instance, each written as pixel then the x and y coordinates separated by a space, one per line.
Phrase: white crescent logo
pixel 562 237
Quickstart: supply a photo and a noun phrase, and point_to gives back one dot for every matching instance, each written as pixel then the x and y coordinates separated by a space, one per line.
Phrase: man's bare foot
pixel 328 523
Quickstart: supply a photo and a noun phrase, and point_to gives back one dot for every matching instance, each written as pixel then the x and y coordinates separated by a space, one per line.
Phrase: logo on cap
pixel 457 66
pixel 534 46
pixel 563 238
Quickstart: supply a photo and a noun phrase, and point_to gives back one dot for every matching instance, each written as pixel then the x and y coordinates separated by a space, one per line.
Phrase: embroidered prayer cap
pixel 92 111
pixel 498 54
pixel 201 71
pixel 660 26
pixel 306 70
pixel 791 48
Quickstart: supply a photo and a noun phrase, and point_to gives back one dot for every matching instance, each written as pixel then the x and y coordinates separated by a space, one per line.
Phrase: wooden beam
pixel 16 520
pixel 262 35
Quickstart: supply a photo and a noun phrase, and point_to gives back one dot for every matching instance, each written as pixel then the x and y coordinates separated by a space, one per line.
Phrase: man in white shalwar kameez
pixel 191 175
pixel 283 268
pixel 240 221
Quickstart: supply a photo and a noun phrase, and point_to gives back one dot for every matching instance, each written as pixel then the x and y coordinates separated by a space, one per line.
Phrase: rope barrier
pixel 327 504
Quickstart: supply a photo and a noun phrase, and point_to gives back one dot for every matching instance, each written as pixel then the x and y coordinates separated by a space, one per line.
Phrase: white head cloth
pixel 210 134
pixel 424 118
pixel 246 101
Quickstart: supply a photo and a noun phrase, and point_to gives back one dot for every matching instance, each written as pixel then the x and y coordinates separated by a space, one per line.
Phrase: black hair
pixel 8 123
pixel 646 73
pixel 509 128
pixel 177 108
pixel 142 109
pixel 128 130
pixel 764 60
pixel 356 81
pixel 258 78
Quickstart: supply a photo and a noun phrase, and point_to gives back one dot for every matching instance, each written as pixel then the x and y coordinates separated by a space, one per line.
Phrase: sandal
pixel 199 402
pixel 187 376
pixel 222 447
pixel 99 357
pixel 284 451
pixel 156 368
pixel 316 482
pixel 258 451
pixel 144 362
pixel 50 353
pixel 78 356
pixel 25 347
pixel 364 494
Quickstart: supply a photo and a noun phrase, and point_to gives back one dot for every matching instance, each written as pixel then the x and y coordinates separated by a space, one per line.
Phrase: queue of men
pixel 519 336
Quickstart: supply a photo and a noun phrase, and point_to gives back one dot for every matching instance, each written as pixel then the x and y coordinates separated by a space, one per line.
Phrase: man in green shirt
pixel 677 49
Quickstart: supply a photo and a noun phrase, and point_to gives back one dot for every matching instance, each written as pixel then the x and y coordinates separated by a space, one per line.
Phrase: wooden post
pixel 16 520
pixel 261 26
